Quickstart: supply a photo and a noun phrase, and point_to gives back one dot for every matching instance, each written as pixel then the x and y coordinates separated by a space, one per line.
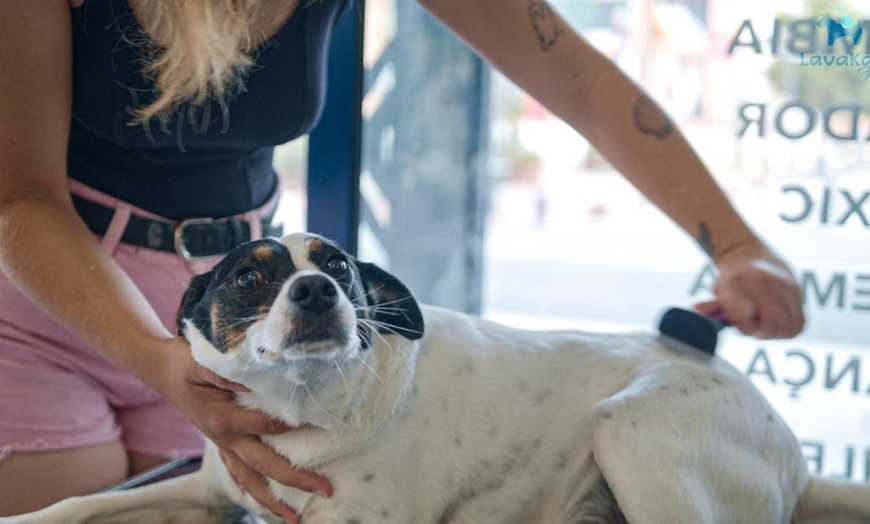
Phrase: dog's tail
pixel 829 501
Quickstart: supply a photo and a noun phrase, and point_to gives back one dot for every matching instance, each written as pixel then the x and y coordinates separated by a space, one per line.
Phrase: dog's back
pixel 510 416
pixel 526 421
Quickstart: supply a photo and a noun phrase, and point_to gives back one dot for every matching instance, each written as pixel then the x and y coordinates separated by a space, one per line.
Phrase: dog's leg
pixel 689 443
pixel 186 499
pixel 828 501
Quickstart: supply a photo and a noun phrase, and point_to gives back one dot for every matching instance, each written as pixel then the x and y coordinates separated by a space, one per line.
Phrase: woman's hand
pixel 757 293
pixel 208 400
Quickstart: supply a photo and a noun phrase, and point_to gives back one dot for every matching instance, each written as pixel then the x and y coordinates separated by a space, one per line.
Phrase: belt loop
pixel 254 218
pixel 116 228
pixel 255 222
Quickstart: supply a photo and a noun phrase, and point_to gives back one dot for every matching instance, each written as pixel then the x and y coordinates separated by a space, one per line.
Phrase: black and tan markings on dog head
pixel 240 290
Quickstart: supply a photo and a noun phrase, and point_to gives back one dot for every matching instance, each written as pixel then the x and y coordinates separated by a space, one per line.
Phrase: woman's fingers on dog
pixel 206 376
pixel 216 408
pixel 262 424
pixel 229 420
pixel 255 485
pixel 223 383
pixel 265 461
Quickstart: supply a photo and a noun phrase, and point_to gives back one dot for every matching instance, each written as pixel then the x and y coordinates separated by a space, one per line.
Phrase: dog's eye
pixel 336 265
pixel 248 278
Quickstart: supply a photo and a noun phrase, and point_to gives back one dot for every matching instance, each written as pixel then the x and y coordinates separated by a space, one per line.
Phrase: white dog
pixel 473 422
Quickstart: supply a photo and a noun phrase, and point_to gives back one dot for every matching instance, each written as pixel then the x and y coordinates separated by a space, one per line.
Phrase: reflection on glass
pixel 779 116
pixel 290 162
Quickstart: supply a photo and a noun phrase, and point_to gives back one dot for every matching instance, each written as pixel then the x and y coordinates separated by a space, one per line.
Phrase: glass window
pixel 422 181
pixel 523 221
pixel 290 162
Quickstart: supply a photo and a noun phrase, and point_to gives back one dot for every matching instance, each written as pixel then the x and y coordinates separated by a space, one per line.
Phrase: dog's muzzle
pixel 313 294
pixel 315 312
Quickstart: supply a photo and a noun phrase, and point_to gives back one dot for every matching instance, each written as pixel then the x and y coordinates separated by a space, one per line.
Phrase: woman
pixel 115 127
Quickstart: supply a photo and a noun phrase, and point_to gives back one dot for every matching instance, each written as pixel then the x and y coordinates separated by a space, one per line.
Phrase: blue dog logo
pixel 848 25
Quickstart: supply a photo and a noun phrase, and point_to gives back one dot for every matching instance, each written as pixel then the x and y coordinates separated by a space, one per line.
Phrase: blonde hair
pixel 197 49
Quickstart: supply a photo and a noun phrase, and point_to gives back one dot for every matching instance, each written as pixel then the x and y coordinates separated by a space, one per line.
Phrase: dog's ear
pixel 192 296
pixel 390 302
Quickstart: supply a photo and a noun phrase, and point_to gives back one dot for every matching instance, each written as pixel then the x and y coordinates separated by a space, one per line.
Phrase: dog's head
pixel 293 307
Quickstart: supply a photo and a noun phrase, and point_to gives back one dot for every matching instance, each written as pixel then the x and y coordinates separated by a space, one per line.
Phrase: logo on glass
pixel 847 25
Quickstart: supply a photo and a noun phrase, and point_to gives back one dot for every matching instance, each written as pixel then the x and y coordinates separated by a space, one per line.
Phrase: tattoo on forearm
pixel 650 119
pixel 544 23
pixel 705 241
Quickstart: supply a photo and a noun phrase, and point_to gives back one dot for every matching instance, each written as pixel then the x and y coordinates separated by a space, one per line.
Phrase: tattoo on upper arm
pixel 544 23
pixel 705 241
pixel 650 119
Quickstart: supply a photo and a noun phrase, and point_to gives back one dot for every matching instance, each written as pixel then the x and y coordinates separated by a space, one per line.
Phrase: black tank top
pixel 209 161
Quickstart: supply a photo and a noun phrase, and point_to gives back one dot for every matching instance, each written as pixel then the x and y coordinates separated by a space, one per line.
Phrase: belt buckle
pixel 180 248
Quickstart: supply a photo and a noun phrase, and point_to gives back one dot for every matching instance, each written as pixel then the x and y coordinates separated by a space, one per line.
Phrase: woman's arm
pixel 44 247
pixel 534 47
pixel 51 256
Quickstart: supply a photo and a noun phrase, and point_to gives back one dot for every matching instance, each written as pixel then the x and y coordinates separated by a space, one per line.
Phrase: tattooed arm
pixel 534 47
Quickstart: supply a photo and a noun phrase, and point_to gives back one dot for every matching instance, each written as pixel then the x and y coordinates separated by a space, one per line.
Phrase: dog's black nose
pixel 314 293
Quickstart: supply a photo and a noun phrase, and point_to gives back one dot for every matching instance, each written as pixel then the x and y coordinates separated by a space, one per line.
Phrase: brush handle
pixel 692 327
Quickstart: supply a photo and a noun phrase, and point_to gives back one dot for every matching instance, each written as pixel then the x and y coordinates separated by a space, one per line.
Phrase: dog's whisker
pixel 372 326
pixel 366 323
pixel 372 292
pixel 248 363
pixel 366 364
pixel 244 320
pixel 240 321
pixel 338 367
pixel 328 414
pixel 386 326
pixel 232 340
pixel 379 323
pixel 383 305
pixel 384 341
pixel 290 408
pixel 379 310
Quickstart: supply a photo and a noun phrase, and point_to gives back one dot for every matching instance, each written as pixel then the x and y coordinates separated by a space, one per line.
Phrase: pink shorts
pixel 58 393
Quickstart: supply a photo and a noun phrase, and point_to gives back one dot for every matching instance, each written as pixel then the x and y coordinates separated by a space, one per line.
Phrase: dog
pixel 418 414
